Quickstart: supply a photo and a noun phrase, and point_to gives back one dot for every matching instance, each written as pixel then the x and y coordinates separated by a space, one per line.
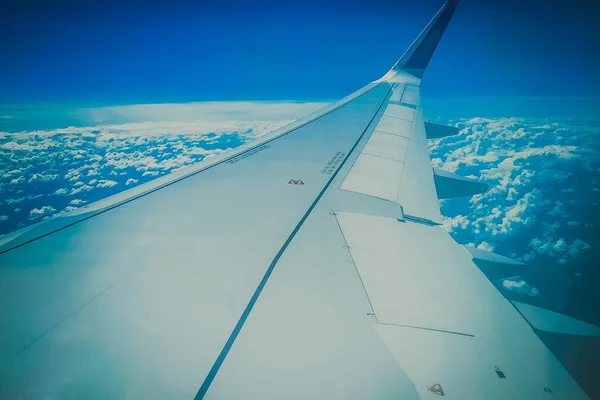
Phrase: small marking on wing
pixel 499 372
pixel 248 153
pixel 436 388
pixel 333 163
pixel 295 182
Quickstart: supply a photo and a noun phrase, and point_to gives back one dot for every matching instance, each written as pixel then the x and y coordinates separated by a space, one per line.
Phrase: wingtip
pixel 416 58
pixel 452 3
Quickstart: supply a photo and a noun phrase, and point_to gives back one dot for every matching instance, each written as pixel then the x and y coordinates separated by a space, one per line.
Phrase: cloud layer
pixel 543 177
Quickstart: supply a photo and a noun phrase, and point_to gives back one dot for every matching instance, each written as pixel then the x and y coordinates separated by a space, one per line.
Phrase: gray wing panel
pixel 138 301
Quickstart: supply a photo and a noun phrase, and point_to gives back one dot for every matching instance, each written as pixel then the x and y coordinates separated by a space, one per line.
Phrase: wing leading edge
pixel 232 280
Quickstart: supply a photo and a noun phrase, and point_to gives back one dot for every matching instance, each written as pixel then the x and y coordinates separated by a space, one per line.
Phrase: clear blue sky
pixel 113 52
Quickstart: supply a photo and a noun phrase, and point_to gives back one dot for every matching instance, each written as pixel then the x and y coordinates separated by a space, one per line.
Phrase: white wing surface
pixel 308 264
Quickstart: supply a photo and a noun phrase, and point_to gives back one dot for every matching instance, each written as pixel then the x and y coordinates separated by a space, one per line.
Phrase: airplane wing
pixel 308 264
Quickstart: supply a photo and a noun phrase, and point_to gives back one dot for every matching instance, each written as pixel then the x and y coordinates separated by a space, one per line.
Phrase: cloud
pixel 17 181
pixel 106 183
pixel 42 178
pixel 80 189
pixel 558 210
pixel 150 173
pixel 560 246
pixel 209 112
pixel 533 167
pixel 485 246
pixel 3 218
pixel 575 248
pixel 203 152
pixel 14 201
pixel 516 284
pixel 61 192
pixel 41 212
pixel 131 181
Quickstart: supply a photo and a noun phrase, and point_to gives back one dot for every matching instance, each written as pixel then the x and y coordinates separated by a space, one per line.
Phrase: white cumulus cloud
pixel 41 212
pixel 106 183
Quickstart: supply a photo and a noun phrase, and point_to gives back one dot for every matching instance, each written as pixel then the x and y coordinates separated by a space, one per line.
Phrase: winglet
pixel 415 59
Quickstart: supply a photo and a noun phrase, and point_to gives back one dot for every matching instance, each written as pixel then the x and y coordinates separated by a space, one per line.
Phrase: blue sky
pixel 109 52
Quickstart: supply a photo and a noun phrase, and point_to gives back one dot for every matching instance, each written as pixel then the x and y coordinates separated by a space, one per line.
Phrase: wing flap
pixel 386 145
pixel 375 176
pixel 465 367
pixel 442 320
pixel 412 95
pixel 418 195
pixel 400 111
pixel 442 363
pixel 407 263
pixel 550 321
pixel 394 126
pixel 405 176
